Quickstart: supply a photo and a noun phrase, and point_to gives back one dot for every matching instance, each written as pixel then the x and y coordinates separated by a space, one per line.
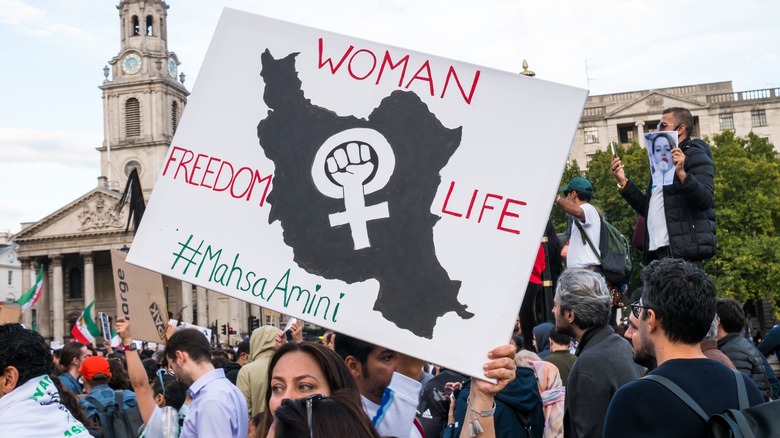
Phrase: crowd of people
pixel 573 376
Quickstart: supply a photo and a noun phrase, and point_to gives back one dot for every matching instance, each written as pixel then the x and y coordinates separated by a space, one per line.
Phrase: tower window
pixel 133 164
pixel 149 21
pixel 758 118
pixel 726 121
pixel 132 117
pixel 162 29
pixel 136 25
pixel 174 116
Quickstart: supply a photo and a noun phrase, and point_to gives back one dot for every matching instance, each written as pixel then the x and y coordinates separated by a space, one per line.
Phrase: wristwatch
pixel 623 186
pixel 131 347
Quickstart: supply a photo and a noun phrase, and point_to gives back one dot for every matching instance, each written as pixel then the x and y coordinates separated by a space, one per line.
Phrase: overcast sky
pixel 54 51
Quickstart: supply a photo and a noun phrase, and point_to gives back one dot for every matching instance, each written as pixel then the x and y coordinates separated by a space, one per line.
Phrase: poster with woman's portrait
pixel 659 149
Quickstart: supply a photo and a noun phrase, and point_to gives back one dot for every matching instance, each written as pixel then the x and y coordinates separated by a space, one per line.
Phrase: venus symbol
pixel 350 165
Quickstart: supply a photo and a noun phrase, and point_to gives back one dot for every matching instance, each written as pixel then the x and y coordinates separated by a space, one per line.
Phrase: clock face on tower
pixel 131 63
pixel 172 67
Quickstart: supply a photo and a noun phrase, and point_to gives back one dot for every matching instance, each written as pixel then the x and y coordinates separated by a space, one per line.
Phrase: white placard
pixel 388 194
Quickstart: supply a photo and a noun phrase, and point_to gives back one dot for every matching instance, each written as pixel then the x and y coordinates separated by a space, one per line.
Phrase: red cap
pixel 93 366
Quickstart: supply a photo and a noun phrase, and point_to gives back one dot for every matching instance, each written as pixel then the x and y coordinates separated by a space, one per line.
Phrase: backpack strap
pixel 119 399
pixel 682 395
pixel 585 238
pixel 99 406
pixel 529 433
pixel 741 391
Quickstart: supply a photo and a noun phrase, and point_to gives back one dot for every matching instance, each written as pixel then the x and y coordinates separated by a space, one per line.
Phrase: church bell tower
pixel 143 96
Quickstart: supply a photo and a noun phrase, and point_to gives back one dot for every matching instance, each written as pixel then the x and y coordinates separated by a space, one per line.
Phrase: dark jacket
pixel 520 395
pixel 747 359
pixel 605 363
pixel 689 207
pixel 231 371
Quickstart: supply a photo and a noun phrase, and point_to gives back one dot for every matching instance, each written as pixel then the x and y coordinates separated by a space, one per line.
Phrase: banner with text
pixel 140 297
pixel 392 195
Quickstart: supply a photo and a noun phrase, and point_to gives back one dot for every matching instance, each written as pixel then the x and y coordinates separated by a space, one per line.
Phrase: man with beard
pixel 581 309
pixel 218 408
pixel 670 320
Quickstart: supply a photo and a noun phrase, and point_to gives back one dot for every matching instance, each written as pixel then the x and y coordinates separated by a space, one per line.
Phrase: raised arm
pixel 482 396
pixel 144 394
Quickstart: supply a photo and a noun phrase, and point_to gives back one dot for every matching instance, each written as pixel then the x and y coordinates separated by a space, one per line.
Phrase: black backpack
pixel 749 422
pixel 116 421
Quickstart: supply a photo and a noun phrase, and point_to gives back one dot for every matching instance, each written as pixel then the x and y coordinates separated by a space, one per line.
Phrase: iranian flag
pixel 31 297
pixel 85 330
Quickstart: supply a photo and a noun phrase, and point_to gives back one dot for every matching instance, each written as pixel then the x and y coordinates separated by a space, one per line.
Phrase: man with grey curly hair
pixel 604 359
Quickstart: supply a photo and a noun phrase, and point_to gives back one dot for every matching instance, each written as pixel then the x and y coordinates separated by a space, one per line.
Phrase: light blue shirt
pixel 218 408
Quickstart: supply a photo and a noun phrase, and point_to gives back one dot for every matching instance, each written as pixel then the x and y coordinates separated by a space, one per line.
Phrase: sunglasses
pixel 635 308
pixel 308 402
pixel 160 373
pixel 662 125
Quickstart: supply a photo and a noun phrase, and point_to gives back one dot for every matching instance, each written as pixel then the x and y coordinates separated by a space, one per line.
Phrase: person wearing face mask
pixel 680 216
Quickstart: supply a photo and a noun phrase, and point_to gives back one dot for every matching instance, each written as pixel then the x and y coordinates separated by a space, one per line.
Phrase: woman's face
pixel 296 375
pixel 662 153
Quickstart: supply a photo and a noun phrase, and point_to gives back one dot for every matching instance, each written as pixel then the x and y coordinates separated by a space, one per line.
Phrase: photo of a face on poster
pixel 659 149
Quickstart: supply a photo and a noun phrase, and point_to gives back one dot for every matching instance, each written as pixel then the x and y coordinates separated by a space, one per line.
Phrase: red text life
pixel 487 201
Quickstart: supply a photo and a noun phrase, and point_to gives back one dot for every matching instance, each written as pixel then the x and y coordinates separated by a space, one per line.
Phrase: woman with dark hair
pixel 298 370
pixel 70 402
pixel 119 378
pixel 661 145
pixel 337 415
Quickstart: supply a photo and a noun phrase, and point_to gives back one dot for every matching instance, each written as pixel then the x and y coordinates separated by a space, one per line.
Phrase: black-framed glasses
pixel 635 308
pixel 308 402
pixel 662 125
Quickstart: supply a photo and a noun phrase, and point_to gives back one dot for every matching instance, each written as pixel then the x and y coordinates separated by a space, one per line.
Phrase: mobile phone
pixel 612 146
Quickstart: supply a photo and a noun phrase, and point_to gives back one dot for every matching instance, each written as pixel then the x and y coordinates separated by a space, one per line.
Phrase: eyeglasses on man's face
pixel 635 308
pixel 663 125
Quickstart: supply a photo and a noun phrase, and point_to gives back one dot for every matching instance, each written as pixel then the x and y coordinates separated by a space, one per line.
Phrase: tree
pixel 747 190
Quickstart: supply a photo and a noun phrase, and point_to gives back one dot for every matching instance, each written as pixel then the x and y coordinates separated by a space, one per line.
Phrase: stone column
pixel 186 302
pixel 89 278
pixel 640 131
pixel 57 299
pixel 203 307
pixel 26 284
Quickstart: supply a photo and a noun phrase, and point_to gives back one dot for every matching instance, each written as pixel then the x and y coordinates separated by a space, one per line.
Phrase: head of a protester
pixel 336 415
pixel 119 377
pixel 542 338
pixel 219 361
pixel 371 366
pixel 150 366
pixel 559 341
pixel 302 369
pixel 24 355
pixel 677 119
pixel 71 356
pixel 681 297
pixel 730 315
pixel 242 352
pixel 168 391
pixel 582 302
pixel 189 355
pixel 523 358
pixel 95 370
pixel 581 186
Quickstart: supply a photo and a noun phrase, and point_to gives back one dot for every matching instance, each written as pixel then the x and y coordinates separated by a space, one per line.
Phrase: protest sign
pixel 388 194
pixel 179 325
pixel 105 326
pixel 140 297
pixel 659 151
pixel 10 314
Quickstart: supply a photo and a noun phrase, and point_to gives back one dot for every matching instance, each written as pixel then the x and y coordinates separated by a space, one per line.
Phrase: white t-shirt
pixel 580 255
pixel 656 220
pixel 397 417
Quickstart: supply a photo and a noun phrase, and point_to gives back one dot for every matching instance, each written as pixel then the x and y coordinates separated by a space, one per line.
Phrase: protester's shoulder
pixel 699 149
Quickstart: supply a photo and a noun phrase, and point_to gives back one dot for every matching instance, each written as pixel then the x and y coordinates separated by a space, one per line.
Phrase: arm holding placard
pixel 139 380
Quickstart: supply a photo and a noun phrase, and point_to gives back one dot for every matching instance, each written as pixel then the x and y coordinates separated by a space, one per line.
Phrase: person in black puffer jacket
pixel 742 353
pixel 681 223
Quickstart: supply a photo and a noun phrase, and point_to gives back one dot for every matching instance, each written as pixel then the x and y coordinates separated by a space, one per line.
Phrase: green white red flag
pixel 31 297
pixel 85 330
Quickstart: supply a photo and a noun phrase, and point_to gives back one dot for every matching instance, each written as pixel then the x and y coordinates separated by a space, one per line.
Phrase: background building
pixel 625 117
pixel 10 271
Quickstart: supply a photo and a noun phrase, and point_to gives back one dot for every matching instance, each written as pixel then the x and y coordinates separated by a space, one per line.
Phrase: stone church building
pixel 143 100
